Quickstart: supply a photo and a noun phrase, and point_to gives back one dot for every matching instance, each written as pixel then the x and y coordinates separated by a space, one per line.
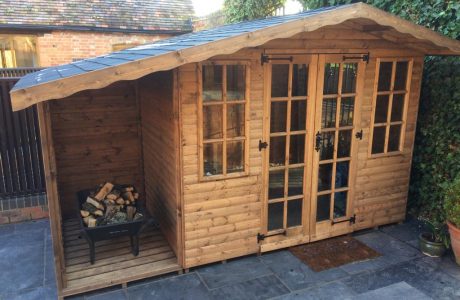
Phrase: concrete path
pixel 402 272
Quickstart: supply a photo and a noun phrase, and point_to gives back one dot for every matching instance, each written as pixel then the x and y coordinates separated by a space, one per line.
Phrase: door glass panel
pixel 236 85
pixel 294 213
pixel 298 115
pixel 295 182
pixel 212 83
pixel 381 109
pixel 401 76
pixel 235 156
pixel 280 78
pixel 344 147
pixel 385 76
pixel 235 120
pixel 297 149
pixel 350 71
pixel 328 113
pixel 324 177
pixel 341 174
pixel 323 207
pixel 212 158
pixel 327 145
pixel 331 78
pixel 397 107
pixel 299 80
pixel 275 215
pixel 378 139
pixel 276 184
pixel 340 204
pixel 393 140
pixel 277 151
pixel 212 121
pixel 347 107
pixel 278 116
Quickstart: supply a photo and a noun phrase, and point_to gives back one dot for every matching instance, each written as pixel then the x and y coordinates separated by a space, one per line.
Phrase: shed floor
pixel 115 264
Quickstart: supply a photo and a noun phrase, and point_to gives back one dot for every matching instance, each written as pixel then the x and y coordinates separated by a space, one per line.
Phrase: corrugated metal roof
pixel 121 15
pixel 160 47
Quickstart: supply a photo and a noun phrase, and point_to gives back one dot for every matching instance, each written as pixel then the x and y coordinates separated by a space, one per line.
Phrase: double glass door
pixel 309 162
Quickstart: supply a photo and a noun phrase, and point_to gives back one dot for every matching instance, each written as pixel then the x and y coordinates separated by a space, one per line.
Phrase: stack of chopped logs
pixel 109 204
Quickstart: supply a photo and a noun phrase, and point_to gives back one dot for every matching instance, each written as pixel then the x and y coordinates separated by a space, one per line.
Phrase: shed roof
pixel 105 15
pixel 61 81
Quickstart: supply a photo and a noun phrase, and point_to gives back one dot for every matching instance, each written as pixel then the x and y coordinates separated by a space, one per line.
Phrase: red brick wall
pixel 61 47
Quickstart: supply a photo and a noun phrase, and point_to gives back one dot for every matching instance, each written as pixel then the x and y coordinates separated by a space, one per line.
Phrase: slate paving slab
pixel 239 270
pixel 406 232
pixel 397 291
pixel 40 293
pixel 259 288
pixel 329 291
pixel 295 274
pixel 114 295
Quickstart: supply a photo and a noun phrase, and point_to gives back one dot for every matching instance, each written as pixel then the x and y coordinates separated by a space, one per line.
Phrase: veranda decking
pixel 115 264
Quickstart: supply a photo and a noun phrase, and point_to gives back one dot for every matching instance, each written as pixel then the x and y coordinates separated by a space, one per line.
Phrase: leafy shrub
pixel 452 204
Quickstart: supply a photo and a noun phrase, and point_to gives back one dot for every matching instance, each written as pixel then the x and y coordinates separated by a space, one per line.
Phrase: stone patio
pixel 402 272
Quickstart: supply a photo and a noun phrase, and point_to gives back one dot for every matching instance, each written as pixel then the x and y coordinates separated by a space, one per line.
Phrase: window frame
pixel 391 92
pixel 11 38
pixel 224 103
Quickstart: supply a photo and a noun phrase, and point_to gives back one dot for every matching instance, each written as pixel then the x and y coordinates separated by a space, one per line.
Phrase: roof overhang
pixel 23 97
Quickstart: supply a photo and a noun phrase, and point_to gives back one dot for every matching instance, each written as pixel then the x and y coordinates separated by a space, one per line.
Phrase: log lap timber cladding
pixel 61 81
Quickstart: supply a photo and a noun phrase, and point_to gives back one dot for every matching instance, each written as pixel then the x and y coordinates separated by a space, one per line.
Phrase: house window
pixel 223 118
pixel 391 97
pixel 17 51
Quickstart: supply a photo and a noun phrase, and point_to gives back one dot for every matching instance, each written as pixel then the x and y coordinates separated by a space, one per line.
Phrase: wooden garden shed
pixel 242 139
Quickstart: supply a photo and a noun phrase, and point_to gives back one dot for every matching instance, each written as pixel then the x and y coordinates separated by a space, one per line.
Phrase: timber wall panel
pixel 159 151
pixel 96 139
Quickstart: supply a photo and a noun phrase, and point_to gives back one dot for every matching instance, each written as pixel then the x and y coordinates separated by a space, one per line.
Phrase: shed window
pixel 390 105
pixel 224 111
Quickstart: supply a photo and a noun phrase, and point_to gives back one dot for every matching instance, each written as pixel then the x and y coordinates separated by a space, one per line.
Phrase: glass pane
pixel 212 83
pixel 324 177
pixel 235 120
pixel 323 207
pixel 347 107
pixel 276 184
pixel 344 147
pixel 340 204
pixel 395 134
pixel 397 107
pixel 297 149
pixel 331 78
pixel 18 51
pixel 378 140
pixel 385 76
pixel 280 79
pixel 236 82
pixel 212 121
pixel 212 156
pixel 298 115
pixel 350 70
pixel 341 174
pixel 277 151
pixel 295 183
pixel 278 116
pixel 381 109
pixel 235 156
pixel 299 80
pixel 275 215
pixel 327 145
pixel 401 76
pixel 294 213
pixel 328 114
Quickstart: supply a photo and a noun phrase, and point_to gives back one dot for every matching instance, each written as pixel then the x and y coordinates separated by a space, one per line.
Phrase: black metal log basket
pixel 111 231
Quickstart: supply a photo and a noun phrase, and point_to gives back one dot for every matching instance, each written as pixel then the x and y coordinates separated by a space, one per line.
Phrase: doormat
pixel 331 253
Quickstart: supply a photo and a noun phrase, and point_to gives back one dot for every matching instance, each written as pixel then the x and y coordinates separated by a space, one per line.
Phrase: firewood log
pixel 95 203
pixel 128 196
pixel 127 202
pixel 88 207
pixel 111 196
pixel 128 189
pixel 84 213
pixel 110 211
pixel 91 222
pixel 98 213
pixel 136 196
pixel 130 211
pixel 120 201
pixel 107 188
pixel 86 220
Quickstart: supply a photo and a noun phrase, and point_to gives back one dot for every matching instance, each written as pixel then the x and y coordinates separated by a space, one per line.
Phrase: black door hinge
pixel 262 145
pixel 318 141
pixel 364 57
pixel 359 134
pixel 352 220
pixel 264 58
